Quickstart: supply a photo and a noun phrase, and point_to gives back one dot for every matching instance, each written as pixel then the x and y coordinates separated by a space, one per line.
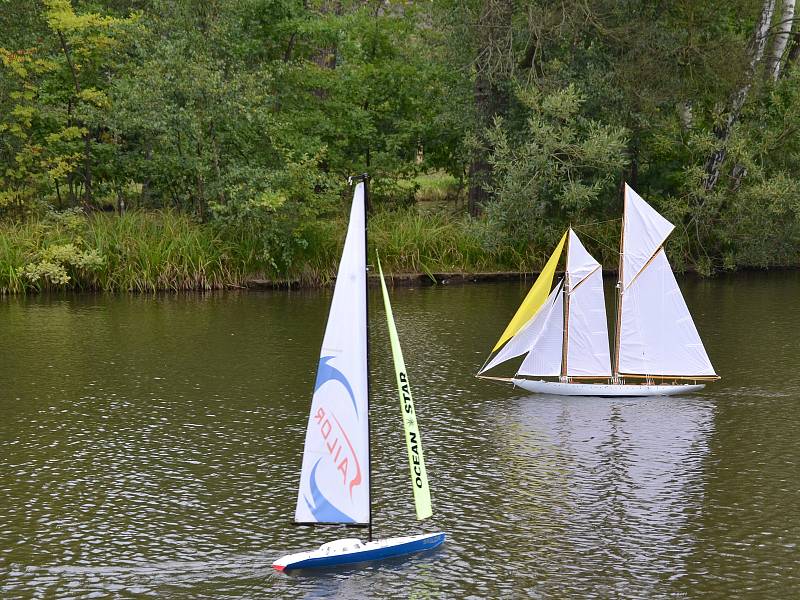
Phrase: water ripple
pixel 151 447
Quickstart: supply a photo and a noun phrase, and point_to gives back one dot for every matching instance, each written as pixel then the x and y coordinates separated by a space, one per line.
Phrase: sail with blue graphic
pixel 334 482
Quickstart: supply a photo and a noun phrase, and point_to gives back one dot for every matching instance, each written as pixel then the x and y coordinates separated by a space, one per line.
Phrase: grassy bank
pixel 150 251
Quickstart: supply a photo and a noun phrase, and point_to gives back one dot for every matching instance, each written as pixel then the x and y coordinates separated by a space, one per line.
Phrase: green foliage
pixel 238 123
pixel 57 105
pixel 413 243
pixel 53 265
pixel 278 213
pixel 136 252
pixel 164 250
pixel 554 170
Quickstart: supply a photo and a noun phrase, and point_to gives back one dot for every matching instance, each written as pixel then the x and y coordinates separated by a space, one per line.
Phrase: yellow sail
pixel 419 478
pixel 535 298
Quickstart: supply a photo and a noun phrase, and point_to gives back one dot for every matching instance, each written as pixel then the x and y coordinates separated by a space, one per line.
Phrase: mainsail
pixel 587 328
pixel 644 231
pixel 334 482
pixel 656 333
pixel 416 462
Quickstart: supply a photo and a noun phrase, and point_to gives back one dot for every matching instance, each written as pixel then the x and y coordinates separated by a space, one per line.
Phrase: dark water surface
pixel 150 447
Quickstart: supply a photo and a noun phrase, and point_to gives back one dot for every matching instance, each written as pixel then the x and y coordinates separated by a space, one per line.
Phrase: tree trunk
pixel 737 99
pixel 784 30
pixel 120 201
pixel 87 171
pixel 479 177
pixel 634 169
pixel 326 56
pixel 287 55
pixel 494 64
pixel 792 56
pixel 87 157
pixel 144 197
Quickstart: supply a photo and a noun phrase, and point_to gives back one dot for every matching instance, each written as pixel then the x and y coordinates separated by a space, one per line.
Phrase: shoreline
pixel 456 278
pixel 397 280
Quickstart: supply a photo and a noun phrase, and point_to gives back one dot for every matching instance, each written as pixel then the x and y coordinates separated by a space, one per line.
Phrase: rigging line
pixel 604 245
pixel 596 223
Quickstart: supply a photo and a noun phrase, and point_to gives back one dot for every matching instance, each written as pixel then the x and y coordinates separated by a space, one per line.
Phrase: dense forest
pixel 152 144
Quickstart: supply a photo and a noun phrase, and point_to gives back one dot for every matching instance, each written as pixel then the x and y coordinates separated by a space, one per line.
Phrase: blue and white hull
pixel 353 550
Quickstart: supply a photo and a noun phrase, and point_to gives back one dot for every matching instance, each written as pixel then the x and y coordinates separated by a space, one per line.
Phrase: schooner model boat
pixel 564 335
pixel 336 476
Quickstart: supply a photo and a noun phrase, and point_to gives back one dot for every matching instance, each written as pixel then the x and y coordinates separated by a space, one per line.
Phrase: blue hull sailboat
pixel 335 480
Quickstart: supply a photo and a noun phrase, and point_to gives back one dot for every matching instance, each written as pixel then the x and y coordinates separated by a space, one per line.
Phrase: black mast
pixel 365 178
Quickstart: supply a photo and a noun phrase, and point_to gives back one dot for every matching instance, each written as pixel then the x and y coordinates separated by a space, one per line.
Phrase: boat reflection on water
pixel 608 485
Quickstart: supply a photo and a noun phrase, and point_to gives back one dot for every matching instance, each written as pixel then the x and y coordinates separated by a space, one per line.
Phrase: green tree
pixel 554 170
pixel 55 132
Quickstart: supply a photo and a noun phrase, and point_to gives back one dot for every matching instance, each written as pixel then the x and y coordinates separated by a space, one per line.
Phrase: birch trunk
pixel 737 99
pixel 784 30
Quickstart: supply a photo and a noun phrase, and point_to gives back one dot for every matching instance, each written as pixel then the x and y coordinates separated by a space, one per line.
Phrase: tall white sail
pixel 544 357
pixel 334 482
pixel 643 233
pixel 657 334
pixel 587 329
pixel 525 339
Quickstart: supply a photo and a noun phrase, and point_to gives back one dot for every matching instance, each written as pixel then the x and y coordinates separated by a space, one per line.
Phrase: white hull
pixel 604 389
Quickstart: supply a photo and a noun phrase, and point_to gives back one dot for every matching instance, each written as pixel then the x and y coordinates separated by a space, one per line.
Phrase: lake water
pixel 150 447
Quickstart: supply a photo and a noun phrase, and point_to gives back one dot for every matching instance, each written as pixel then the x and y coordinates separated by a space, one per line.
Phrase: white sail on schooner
pixel 565 335
pixel 335 481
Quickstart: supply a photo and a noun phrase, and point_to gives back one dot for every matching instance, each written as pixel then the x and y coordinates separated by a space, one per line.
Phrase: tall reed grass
pixel 139 252
pixel 164 250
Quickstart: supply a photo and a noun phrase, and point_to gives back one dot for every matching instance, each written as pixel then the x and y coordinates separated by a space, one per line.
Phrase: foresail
pixel 657 334
pixel 536 296
pixel 587 345
pixel 544 358
pixel 416 462
pixel 334 482
pixel 644 231
pixel 526 338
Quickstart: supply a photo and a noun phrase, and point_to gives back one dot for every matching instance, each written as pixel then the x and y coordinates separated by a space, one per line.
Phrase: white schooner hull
pixel 604 389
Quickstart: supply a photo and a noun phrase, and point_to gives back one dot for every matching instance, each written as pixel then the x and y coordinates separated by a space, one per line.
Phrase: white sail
pixel 587 343
pixel 579 262
pixel 587 329
pixel 334 482
pixel 644 231
pixel 544 357
pixel 524 340
pixel 657 334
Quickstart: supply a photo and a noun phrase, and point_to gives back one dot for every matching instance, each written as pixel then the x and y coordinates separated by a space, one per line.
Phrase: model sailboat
pixel 335 481
pixel 564 335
